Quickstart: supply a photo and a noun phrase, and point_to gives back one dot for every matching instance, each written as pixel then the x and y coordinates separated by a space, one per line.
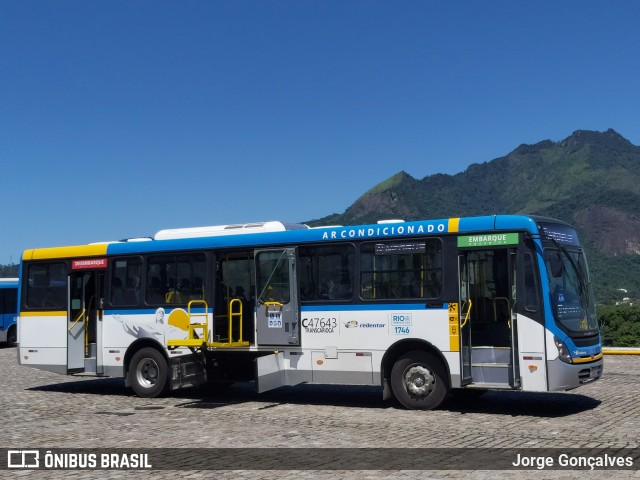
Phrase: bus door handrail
pixel 204 326
pixel 466 317
pixel 80 316
pixel 232 314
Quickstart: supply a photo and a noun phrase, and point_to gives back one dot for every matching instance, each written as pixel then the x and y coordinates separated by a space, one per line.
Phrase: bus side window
pixel 132 292
pixel 401 270
pixel 47 285
pixel 198 289
pixel 36 290
pixel 117 292
pixel 326 273
pixel 126 288
pixel 170 278
pixel 155 292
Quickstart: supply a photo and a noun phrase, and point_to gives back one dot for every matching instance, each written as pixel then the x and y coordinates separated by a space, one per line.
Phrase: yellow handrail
pixel 203 302
pixel 466 317
pixel 78 318
pixel 232 314
pixel 203 325
pixel 82 316
pixel 274 303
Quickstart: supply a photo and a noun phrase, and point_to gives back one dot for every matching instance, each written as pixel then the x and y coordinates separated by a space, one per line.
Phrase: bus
pixel 8 310
pixel 420 308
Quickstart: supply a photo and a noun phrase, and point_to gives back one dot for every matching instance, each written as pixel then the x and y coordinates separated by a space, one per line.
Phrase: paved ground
pixel 45 410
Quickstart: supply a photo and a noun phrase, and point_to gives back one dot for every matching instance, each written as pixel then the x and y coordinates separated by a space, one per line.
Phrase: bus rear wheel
pixel 418 381
pixel 148 373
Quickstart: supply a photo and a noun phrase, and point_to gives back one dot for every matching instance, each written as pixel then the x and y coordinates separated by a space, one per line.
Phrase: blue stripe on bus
pixel 329 234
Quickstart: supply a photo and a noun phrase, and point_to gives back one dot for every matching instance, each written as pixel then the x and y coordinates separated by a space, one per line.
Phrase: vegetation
pixel 616 279
pixel 8 271
pixel 621 325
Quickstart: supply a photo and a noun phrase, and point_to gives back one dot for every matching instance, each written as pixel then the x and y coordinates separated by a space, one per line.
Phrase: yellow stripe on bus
pixel 454 224
pixel 587 360
pixel 65 252
pixel 56 313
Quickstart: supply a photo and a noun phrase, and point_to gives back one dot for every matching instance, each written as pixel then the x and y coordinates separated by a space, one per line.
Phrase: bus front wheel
pixel 418 381
pixel 148 373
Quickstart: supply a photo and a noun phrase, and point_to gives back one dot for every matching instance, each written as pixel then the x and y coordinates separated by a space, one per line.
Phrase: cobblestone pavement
pixel 46 410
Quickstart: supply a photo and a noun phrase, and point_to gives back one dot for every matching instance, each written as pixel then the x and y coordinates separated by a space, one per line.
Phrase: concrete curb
pixel 621 350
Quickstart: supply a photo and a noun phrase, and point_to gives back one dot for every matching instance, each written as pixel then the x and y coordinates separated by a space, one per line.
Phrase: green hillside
pixel 590 179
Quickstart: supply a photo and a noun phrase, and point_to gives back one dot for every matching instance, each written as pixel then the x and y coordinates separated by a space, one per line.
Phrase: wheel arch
pixel 398 349
pixel 138 345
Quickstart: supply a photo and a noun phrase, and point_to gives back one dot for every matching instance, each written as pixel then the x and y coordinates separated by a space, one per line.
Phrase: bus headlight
pixel 563 351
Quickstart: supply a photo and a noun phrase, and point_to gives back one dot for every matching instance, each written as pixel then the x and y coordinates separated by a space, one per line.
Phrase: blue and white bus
pixel 419 308
pixel 8 310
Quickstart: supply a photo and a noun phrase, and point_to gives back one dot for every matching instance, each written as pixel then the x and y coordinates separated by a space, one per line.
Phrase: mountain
pixel 589 179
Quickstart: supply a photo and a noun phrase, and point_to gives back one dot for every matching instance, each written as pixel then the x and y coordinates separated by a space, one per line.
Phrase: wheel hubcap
pixel 419 381
pixel 147 373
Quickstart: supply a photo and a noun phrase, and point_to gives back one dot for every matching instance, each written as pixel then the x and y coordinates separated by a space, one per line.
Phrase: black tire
pixel 12 336
pixel 148 373
pixel 418 381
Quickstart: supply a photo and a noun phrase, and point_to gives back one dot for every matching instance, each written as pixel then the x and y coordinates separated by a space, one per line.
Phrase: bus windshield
pixel 571 293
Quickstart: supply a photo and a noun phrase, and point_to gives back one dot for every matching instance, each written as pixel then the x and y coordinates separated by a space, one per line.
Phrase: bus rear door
pixel 84 320
pixel 277 313
pixel 277 307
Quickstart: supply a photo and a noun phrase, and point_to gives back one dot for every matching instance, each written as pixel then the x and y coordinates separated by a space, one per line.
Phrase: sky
pixel 122 118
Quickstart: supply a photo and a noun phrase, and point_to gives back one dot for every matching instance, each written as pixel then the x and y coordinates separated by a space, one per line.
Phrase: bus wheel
pixel 148 373
pixel 12 336
pixel 418 381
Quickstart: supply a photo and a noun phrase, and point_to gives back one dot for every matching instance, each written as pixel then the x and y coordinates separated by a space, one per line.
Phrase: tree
pixel 9 271
pixel 621 325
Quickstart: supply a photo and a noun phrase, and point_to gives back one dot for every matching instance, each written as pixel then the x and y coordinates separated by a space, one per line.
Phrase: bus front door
pixel 277 309
pixel 84 322
pixel 488 337
pixel 465 326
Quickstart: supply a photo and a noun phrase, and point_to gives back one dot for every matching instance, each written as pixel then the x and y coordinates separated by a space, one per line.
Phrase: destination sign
pixel 488 240
pixel 89 264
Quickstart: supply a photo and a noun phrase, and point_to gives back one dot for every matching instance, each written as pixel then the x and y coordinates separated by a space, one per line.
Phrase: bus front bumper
pixel 565 376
